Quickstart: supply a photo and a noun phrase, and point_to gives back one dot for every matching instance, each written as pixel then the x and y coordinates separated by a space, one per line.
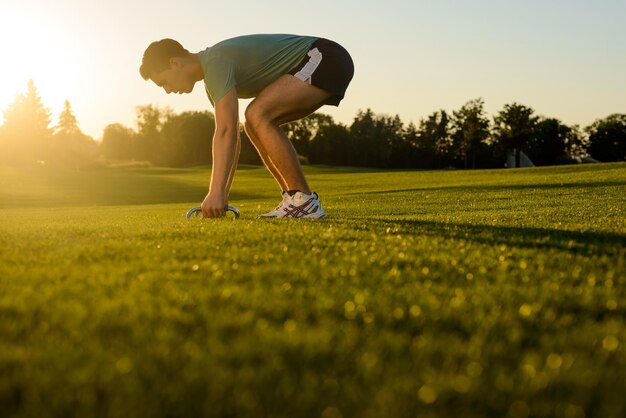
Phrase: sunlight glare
pixel 38 47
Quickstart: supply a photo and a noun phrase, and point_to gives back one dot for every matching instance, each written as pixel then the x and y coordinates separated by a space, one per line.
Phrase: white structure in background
pixel 524 161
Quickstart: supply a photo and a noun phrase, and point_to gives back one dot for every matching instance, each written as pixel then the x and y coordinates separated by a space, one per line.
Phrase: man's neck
pixel 196 68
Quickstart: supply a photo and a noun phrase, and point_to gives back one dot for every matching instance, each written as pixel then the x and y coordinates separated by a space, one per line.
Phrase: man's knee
pixel 248 128
pixel 254 116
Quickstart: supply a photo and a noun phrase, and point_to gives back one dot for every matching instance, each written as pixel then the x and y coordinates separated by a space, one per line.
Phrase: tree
pixel 186 139
pixel 434 143
pixel 515 128
pixel 68 124
pixel 70 146
pixel 26 132
pixel 117 142
pixel 367 145
pixel 150 120
pixel 577 142
pixel 607 138
pixel 374 139
pixel 550 142
pixel 331 145
pixel 302 131
pixel 408 155
pixel 470 130
pixel 401 140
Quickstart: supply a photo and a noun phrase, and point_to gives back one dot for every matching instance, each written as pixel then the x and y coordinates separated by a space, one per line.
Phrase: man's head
pixel 170 66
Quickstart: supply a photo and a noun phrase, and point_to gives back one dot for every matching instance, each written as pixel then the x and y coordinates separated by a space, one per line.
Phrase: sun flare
pixel 39 48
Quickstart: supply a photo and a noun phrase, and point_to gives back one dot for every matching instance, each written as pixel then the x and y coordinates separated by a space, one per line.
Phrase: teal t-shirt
pixel 251 62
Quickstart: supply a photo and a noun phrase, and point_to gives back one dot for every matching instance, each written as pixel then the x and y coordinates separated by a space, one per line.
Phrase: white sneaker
pixel 299 205
pixel 278 210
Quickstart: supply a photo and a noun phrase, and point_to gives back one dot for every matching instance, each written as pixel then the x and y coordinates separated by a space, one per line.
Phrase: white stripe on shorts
pixel 309 68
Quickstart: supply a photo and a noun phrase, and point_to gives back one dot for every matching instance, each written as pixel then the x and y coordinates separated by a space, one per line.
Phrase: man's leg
pixel 285 100
pixel 265 158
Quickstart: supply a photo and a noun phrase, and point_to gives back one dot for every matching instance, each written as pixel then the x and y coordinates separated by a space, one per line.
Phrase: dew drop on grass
pixel 124 365
pixel 519 409
pixel 525 310
pixel 331 412
pixel 415 311
pixel 349 310
pixel 554 361
pixel 427 394
pixel 359 298
pixel 591 280
pixel 610 343
pixel 290 325
pixel 461 384
pixel 529 370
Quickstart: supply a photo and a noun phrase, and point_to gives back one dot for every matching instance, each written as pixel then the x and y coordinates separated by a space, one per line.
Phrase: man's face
pixel 175 79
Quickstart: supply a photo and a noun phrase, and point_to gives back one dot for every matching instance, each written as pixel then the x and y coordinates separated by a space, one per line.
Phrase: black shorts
pixel 327 66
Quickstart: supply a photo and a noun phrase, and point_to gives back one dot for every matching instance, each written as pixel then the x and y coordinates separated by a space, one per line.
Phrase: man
pixel 289 77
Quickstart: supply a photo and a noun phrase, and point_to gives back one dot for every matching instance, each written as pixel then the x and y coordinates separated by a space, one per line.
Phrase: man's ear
pixel 176 62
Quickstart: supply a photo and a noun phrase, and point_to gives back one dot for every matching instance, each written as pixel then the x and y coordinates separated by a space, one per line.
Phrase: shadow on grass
pixel 586 243
pixel 110 188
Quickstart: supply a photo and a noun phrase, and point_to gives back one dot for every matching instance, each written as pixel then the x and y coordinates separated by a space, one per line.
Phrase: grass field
pixel 423 294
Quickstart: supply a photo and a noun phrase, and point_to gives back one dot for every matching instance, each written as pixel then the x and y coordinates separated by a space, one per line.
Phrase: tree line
pixel 27 137
pixel 464 138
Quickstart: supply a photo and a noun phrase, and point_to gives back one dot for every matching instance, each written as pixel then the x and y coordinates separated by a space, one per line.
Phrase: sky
pixel 564 58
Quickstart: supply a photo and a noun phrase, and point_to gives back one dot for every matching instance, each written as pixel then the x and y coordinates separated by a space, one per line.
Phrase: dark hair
pixel 157 56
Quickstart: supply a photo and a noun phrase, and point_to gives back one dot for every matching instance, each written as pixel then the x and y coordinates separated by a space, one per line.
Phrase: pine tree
pixel 26 130
pixel 71 147
pixel 68 124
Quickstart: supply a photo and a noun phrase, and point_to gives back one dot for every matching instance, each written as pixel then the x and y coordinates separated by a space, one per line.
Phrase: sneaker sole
pixel 290 217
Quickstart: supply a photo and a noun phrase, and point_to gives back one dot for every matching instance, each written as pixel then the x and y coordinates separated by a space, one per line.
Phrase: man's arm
pixel 225 154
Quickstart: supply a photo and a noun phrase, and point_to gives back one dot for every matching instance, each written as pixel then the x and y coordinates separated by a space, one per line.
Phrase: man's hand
pixel 213 206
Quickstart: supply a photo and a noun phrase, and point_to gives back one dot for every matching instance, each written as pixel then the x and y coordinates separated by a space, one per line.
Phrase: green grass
pixel 424 293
